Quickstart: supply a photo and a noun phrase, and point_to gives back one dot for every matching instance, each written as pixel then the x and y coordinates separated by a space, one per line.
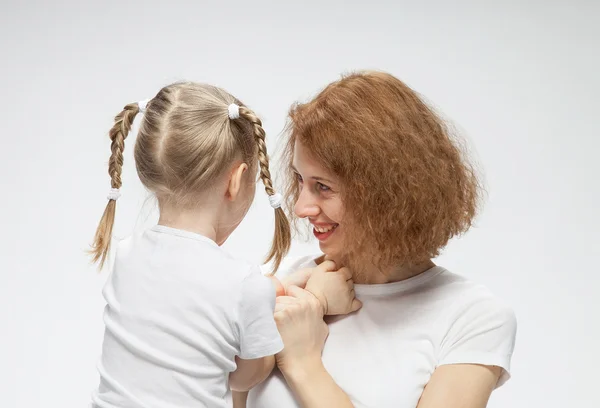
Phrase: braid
pixel 282 237
pixel 263 158
pixel 118 133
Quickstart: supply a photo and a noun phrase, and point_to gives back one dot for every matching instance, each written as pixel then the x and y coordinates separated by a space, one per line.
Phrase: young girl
pixel 184 320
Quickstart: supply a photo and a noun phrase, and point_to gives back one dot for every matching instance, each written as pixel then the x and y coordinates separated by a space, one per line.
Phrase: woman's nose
pixel 306 206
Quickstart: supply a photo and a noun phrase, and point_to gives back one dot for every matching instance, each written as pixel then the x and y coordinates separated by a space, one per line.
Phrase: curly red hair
pixel 406 184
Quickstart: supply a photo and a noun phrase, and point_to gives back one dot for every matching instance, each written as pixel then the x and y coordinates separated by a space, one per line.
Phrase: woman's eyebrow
pixel 314 177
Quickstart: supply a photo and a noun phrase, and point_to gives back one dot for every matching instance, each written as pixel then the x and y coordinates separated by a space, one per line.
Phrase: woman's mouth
pixel 323 232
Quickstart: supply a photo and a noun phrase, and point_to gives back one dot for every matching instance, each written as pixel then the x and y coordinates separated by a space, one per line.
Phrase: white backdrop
pixel 519 77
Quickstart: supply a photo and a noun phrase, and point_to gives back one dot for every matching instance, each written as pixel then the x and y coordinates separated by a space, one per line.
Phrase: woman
pixel 377 174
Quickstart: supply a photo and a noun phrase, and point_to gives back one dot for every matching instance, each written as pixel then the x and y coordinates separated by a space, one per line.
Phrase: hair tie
pixel 275 200
pixel 142 105
pixel 114 194
pixel 234 111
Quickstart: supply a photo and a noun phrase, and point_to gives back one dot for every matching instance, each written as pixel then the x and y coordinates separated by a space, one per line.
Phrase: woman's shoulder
pixel 463 296
pixel 477 326
pixel 456 284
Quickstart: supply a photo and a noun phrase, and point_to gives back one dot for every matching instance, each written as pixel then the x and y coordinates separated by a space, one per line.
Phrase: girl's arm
pixel 299 319
pixel 250 372
pixel 239 398
pixel 259 338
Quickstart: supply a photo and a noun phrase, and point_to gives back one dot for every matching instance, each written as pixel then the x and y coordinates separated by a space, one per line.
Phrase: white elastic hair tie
pixel 142 105
pixel 234 111
pixel 114 194
pixel 276 200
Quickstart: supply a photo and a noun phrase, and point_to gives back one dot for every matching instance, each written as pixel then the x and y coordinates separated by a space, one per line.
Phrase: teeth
pixel 324 229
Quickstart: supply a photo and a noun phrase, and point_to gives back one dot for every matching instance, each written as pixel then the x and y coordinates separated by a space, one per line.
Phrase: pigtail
pixel 118 133
pixel 282 236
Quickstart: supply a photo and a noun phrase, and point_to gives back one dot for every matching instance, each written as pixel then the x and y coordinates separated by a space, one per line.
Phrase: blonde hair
pixel 185 143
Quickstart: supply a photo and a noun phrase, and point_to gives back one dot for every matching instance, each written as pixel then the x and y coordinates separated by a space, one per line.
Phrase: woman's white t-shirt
pixel 383 355
pixel 179 309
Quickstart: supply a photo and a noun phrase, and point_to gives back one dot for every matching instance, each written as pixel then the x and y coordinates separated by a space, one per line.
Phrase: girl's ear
pixel 235 181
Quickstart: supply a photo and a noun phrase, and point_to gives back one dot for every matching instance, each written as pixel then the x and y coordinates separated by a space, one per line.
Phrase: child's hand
pixel 301 276
pixel 298 278
pixel 334 289
pixel 279 288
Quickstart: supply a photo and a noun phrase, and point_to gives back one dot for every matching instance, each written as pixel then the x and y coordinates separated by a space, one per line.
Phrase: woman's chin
pixel 329 253
pixel 326 249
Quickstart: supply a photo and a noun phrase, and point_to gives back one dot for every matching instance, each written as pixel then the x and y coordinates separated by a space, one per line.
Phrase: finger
pixel 325 330
pixel 356 304
pixel 327 266
pixel 298 293
pixel 286 300
pixel 303 295
pixel 345 272
pixel 298 278
pixel 279 307
pixel 350 284
pixel 302 278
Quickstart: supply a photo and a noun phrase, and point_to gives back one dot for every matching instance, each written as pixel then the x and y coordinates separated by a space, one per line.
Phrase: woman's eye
pixel 322 187
pixel 299 178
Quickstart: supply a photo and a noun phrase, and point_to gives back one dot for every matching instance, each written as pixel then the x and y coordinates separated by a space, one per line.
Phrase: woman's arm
pixel 314 387
pixel 450 386
pixel 460 386
pixel 464 386
pixel 299 319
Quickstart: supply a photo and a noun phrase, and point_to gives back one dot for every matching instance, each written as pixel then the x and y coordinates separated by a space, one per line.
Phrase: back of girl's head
pixel 405 182
pixel 187 140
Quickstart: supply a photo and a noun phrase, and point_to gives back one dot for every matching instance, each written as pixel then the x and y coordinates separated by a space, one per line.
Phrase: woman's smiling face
pixel 319 201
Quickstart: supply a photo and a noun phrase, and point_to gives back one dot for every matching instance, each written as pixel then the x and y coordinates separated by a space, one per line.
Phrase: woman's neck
pixel 365 274
pixel 393 274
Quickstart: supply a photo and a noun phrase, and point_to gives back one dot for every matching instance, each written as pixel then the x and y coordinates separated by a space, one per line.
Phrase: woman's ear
pixel 235 181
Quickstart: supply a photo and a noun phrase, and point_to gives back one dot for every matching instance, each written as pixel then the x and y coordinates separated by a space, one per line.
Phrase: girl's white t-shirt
pixel 383 355
pixel 179 309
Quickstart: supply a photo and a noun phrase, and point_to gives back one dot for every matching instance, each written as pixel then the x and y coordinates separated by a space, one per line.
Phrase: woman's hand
pixel 299 319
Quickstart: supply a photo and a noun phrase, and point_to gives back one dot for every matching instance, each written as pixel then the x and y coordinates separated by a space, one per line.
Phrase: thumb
pixel 327 266
pixel 356 304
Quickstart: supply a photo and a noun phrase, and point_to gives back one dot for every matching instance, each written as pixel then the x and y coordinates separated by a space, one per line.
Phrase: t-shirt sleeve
pixel 257 329
pixel 483 332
